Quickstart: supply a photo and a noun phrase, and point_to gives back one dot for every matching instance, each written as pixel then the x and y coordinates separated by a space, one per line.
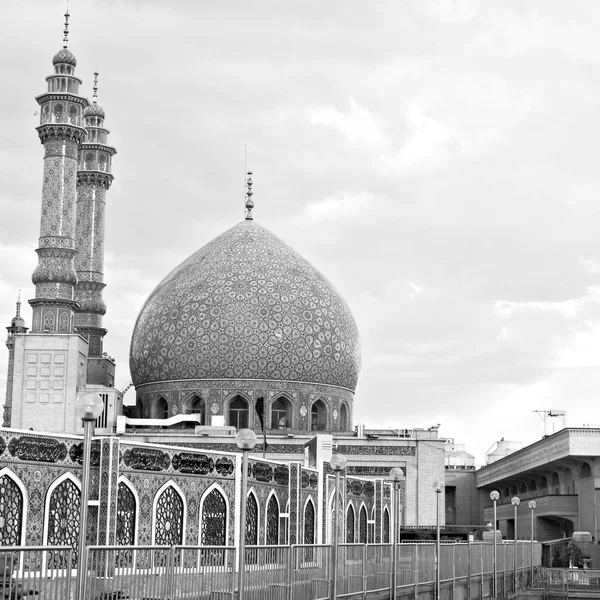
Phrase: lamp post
pixel 88 407
pixel 396 475
pixel 438 490
pixel 532 506
pixel 245 440
pixel 515 501
pixel 495 496
pixel 338 464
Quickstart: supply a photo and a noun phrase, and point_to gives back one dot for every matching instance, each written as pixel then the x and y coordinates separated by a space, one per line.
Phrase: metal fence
pixel 568 580
pixel 300 572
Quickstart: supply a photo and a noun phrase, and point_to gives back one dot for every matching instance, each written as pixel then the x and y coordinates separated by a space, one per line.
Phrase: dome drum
pixel 294 408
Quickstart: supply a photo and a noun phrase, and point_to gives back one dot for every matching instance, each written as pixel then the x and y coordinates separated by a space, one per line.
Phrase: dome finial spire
pixel 249 193
pixel 66 31
pixel 95 96
pixel 19 304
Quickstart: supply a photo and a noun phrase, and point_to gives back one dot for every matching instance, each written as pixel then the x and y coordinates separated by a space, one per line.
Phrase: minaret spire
pixel 95 95
pixel 249 194
pixel 17 325
pixel 66 31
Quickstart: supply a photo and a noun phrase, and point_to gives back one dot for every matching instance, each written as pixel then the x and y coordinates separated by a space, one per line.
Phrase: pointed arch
pixel 318 416
pixel 13 503
pixel 160 408
pixel 281 413
pixel 61 519
pixel 168 515
pixel 127 513
pixel 252 518
pixel 362 525
pixel 350 527
pixel 272 520
pixel 309 521
pixel 214 511
pixel 386 526
pixel 194 404
pixel 344 417
pixel 238 411
pixel 341 513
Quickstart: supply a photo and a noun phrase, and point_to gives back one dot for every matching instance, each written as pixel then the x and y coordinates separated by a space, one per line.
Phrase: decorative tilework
pixel 246 306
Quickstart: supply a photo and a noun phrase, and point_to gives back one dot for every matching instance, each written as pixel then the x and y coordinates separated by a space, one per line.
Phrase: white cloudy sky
pixel 436 159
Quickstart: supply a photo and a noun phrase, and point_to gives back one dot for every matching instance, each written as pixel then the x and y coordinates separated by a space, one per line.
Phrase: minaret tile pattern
pixel 61 132
pixel 17 325
pixel 93 180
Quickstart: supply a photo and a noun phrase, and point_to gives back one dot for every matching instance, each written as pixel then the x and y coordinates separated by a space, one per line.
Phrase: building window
pixel 350 525
pixel 251 520
pixel 318 416
pixel 63 522
pixel 309 523
pixel 11 512
pixel 214 519
pixel 344 418
pixel 168 526
pixel 272 521
pixel 238 413
pixel 126 514
pixel 161 409
pixel 386 526
pixel 363 526
pixel 281 414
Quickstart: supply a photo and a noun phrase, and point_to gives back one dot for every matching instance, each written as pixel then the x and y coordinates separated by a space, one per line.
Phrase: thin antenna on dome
pixel 95 96
pixel 249 193
pixel 66 31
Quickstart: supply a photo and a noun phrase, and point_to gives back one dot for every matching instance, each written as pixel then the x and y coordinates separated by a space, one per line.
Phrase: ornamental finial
pixel 95 96
pixel 249 193
pixel 66 31
pixel 19 304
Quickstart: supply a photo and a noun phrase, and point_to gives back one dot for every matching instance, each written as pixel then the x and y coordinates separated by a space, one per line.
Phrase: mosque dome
pixel 64 56
pixel 94 110
pixel 246 306
pixel 17 322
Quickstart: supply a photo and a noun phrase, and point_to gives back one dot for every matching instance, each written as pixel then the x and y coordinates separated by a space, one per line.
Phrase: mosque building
pixel 243 333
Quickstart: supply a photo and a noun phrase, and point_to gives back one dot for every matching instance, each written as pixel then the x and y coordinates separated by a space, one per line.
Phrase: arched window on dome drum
pixel 344 418
pixel 281 414
pixel 161 409
pixel 196 406
pixel 11 512
pixel 350 525
pixel 318 416
pixel 362 538
pixel 386 526
pixel 238 413
pixel 272 536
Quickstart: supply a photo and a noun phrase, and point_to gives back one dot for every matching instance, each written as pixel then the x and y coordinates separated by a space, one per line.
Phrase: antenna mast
pixel 544 414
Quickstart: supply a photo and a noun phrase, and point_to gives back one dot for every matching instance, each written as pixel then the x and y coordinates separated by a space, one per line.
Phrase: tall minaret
pixel 60 132
pixel 93 180
pixel 17 325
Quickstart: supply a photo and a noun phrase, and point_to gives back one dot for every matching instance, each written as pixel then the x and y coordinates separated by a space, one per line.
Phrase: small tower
pixel 93 180
pixel 17 325
pixel 61 132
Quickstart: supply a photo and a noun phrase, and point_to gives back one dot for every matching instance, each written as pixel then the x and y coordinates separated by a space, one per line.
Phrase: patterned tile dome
pixel 246 306
pixel 94 110
pixel 64 56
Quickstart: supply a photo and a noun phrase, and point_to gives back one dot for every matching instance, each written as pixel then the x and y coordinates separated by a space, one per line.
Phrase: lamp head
pixel 495 495
pixel 88 406
pixel 532 504
pixel 338 462
pixel 515 501
pixel 438 486
pixel 396 474
pixel 245 439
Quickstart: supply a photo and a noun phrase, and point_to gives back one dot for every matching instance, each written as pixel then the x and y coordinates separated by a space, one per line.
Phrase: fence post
pixel 469 570
pixel 504 571
pixel 290 579
pixel 170 574
pixel 453 570
pixel 416 546
pixel 364 572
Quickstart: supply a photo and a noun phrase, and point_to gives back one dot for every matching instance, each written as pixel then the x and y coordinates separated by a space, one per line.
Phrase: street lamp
pixel 88 407
pixel 515 501
pixel 245 440
pixel 495 496
pixel 532 506
pixel 438 490
pixel 338 464
pixel 396 475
